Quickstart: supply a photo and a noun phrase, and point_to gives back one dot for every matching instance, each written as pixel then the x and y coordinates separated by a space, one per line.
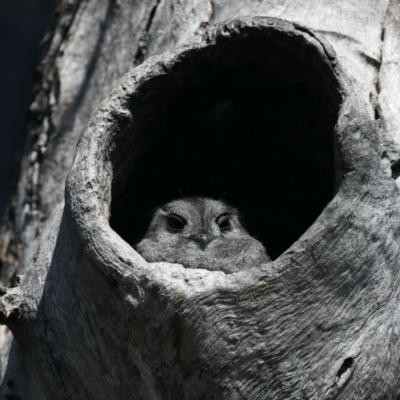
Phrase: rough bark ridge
pixel 93 43
pixel 319 322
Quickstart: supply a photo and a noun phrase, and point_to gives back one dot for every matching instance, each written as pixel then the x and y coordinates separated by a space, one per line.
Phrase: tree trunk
pixel 257 110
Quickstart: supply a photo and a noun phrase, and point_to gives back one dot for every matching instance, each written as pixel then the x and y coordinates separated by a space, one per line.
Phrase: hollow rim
pixel 88 188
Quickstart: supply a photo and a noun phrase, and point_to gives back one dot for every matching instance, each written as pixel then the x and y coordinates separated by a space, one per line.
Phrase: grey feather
pixel 201 233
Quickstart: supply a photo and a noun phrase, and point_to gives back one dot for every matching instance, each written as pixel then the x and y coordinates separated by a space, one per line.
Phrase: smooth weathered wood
pixel 353 28
pixel 94 43
pixel 389 106
pixel 319 322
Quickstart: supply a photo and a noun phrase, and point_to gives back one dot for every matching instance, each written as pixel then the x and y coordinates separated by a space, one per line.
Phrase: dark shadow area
pixel 251 123
pixel 22 26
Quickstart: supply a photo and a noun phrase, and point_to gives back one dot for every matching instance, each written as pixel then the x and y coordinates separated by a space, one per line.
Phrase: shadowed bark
pixel 256 110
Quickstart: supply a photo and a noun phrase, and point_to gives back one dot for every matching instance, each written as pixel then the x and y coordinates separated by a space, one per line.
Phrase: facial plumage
pixel 201 233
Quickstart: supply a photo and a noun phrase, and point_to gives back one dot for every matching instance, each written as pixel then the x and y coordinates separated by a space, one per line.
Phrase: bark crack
pixel 348 362
pixel 35 146
pixel 46 92
pixel 144 38
pixel 375 100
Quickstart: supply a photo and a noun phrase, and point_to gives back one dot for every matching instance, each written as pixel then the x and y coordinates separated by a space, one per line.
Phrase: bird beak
pixel 203 239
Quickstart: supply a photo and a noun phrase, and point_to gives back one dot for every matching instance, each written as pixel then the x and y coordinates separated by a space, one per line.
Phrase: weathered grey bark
pixel 320 322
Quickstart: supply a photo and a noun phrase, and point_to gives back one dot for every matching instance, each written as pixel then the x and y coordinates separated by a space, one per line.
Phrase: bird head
pixel 196 220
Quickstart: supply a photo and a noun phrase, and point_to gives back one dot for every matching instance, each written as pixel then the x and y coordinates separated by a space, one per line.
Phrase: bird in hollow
pixel 201 233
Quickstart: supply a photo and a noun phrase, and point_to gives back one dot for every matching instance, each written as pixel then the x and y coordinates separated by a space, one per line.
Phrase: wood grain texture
pixel 389 106
pixel 320 322
pixel 354 28
pixel 92 45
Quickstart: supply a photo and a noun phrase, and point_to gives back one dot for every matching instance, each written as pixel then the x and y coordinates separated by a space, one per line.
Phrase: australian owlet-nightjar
pixel 201 233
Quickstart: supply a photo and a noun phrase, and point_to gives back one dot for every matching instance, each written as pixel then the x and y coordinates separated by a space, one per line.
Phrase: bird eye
pixel 175 223
pixel 223 222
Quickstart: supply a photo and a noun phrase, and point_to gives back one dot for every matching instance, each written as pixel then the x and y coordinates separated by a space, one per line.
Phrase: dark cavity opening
pixel 396 170
pixel 250 121
pixel 347 363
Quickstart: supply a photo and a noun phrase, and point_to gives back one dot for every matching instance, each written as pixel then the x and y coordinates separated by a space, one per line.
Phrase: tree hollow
pixel 249 120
